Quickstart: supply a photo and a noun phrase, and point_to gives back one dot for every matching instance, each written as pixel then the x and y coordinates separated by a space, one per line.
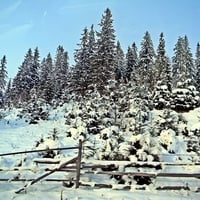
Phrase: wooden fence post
pixel 78 164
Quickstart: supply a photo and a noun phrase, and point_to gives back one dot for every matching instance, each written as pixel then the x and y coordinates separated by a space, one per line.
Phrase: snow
pixel 18 135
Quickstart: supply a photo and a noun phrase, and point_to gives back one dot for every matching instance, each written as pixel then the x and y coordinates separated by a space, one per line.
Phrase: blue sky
pixel 48 23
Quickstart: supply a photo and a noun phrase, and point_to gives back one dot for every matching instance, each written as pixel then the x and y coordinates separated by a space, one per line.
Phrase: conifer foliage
pixel 101 68
pixel 197 66
pixel 104 60
pixel 146 63
pixel 162 62
pixel 182 62
pixel 3 77
pixel 131 63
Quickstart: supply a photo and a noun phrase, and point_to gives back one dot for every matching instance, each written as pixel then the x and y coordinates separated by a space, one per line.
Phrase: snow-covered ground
pixel 18 135
pixel 54 191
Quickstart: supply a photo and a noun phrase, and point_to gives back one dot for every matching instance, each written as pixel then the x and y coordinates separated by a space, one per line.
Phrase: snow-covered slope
pixel 165 139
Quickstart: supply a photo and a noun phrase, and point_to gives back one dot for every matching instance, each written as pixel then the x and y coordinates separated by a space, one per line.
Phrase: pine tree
pixel 189 62
pixel 46 89
pixel 60 71
pixel 82 70
pixel 131 62
pixel 3 77
pixel 119 63
pixel 182 62
pixel 197 65
pixel 7 96
pixel 161 62
pixel 35 68
pixel 24 81
pixel 33 73
pixel 104 61
pixel 146 63
pixel 91 44
pixel 168 76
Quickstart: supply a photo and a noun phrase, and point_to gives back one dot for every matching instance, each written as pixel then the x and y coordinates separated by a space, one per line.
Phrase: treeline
pixel 101 66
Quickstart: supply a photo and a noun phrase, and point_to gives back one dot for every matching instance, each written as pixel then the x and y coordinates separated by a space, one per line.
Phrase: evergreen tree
pixel 119 63
pixel 60 71
pixel 197 65
pixel 46 80
pixel 24 81
pixel 104 61
pixel 131 62
pixel 182 62
pixel 146 63
pixel 33 73
pixel 161 62
pixel 35 68
pixel 7 96
pixel 189 62
pixel 3 77
pixel 82 70
pixel 91 45
pixel 177 62
pixel 168 76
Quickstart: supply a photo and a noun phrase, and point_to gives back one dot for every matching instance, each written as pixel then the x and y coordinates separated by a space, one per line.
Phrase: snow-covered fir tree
pixel 161 62
pixel 46 88
pixel 131 63
pixel 182 62
pixel 185 97
pixel 3 77
pixel 119 63
pixel 197 65
pixel 104 60
pixel 60 71
pixel 24 81
pixel 146 63
pixel 163 87
pixel 91 44
pixel 7 95
pixel 36 67
pixel 82 69
pixel 189 61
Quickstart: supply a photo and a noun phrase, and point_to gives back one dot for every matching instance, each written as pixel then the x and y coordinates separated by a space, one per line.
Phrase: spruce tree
pixel 3 77
pixel 46 79
pixel 36 68
pixel 7 96
pixel 182 62
pixel 189 61
pixel 24 80
pixel 91 44
pixel 60 71
pixel 197 65
pixel 119 63
pixel 146 63
pixel 82 70
pixel 104 61
pixel 162 69
pixel 131 63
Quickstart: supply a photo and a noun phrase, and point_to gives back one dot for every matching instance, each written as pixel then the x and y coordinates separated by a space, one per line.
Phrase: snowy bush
pixel 167 140
pixel 183 98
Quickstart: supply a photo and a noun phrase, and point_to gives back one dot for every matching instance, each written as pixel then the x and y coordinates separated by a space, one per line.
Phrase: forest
pixel 101 67
pixel 140 106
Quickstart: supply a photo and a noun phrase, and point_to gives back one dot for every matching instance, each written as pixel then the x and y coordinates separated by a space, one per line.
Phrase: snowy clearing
pixel 18 135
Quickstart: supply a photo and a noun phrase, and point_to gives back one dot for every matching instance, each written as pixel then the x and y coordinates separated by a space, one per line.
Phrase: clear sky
pixel 46 24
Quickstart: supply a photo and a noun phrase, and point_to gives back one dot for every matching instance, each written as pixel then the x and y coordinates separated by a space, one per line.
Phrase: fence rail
pixel 59 167
pixel 101 168
pixel 38 150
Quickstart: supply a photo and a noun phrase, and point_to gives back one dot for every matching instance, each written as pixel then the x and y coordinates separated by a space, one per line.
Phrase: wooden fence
pixel 110 168
pixel 60 166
